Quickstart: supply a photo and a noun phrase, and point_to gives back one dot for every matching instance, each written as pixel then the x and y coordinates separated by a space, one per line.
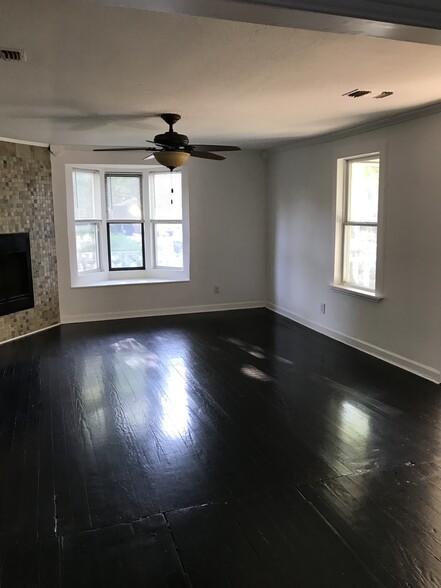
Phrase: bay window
pixel 126 225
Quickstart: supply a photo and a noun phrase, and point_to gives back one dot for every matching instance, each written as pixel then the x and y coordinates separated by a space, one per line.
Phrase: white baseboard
pixel 405 363
pixel 108 316
pixel 30 333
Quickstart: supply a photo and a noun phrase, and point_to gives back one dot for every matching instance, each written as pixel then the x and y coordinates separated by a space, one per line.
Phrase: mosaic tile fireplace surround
pixel 26 206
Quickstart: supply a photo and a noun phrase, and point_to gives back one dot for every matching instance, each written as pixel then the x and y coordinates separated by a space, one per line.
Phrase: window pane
pixel 168 245
pixel 126 245
pixel 360 256
pixel 124 197
pixel 85 201
pixel 167 205
pixel 86 236
pixel 363 190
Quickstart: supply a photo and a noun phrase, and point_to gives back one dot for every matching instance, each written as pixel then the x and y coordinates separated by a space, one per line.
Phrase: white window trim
pixel 340 202
pixel 150 275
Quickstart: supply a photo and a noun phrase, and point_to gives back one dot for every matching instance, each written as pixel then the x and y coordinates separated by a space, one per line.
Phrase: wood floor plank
pixel 394 505
pixel 140 553
pixel 225 449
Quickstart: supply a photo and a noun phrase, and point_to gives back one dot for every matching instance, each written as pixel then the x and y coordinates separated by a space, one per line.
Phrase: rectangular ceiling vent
pixel 12 55
pixel 357 93
pixel 383 94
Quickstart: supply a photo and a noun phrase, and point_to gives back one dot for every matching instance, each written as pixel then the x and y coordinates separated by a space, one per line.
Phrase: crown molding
pixel 20 142
pixel 386 22
pixel 374 125
pixel 419 13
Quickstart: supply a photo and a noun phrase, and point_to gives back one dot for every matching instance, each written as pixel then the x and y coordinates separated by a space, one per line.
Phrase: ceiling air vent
pixel 383 95
pixel 357 93
pixel 12 55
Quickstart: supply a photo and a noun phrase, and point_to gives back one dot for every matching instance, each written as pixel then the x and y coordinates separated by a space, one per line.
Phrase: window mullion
pixel 346 181
pixel 103 231
pixel 165 221
pixel 346 188
pixel 148 239
pixel 359 224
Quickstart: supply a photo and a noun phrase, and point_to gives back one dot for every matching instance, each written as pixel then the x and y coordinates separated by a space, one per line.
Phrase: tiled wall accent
pixel 26 206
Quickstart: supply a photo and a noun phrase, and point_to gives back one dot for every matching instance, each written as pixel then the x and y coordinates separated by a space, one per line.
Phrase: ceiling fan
pixel 175 149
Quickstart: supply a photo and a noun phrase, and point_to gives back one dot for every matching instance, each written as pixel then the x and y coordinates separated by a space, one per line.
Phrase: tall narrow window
pixel 166 219
pixel 87 211
pixel 125 221
pixel 357 235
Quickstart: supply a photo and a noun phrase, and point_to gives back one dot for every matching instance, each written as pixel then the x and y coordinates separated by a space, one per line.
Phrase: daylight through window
pixel 128 221
pixel 357 235
pixel 125 222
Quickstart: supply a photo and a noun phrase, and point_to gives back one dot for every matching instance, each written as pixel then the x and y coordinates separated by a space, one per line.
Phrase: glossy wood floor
pixel 229 449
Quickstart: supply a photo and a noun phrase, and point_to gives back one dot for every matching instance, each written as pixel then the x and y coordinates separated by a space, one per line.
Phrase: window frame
pixel 93 220
pixel 98 225
pixel 109 223
pixel 341 221
pixel 155 221
pixel 106 276
pixel 119 221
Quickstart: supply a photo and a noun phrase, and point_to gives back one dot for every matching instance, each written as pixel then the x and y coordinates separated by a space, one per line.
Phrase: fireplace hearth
pixel 16 289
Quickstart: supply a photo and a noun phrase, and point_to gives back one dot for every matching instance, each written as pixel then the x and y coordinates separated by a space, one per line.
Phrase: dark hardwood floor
pixel 225 449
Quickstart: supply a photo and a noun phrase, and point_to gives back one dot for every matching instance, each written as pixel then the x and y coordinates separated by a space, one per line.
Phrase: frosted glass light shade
pixel 172 159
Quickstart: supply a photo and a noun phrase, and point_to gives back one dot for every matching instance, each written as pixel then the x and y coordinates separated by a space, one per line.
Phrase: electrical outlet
pixel 323 308
pixel 216 289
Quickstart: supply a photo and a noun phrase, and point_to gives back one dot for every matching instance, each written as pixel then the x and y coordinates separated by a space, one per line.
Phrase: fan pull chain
pixel 171 188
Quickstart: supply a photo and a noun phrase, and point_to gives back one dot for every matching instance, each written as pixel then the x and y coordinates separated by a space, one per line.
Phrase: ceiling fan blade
pixel 149 157
pixel 128 149
pixel 160 144
pixel 206 155
pixel 214 148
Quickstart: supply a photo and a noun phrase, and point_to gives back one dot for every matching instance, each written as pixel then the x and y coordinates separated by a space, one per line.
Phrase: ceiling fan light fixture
pixel 172 159
pixel 173 150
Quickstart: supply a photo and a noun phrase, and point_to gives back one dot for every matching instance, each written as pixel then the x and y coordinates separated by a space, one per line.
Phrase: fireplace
pixel 16 290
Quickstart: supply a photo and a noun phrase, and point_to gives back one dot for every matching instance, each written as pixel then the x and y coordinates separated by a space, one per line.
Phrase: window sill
pixel 132 282
pixel 357 293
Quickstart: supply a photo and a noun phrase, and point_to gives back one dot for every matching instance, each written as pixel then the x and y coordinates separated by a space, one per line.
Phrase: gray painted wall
pixel 227 244
pixel 405 327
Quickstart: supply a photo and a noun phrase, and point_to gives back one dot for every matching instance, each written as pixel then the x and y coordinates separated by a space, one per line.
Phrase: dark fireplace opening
pixel 16 290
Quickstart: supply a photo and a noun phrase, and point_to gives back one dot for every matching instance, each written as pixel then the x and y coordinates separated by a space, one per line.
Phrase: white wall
pixel 229 226
pixel 227 233
pixel 404 328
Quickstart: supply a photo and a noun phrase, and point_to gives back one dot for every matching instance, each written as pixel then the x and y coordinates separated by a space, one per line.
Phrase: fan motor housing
pixel 172 139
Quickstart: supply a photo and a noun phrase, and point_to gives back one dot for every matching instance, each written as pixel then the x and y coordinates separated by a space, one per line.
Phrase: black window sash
pixel 109 249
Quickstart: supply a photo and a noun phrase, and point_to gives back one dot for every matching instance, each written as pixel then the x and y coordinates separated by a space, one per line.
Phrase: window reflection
pixel 135 354
pixel 174 401
pixel 125 384
pixel 90 397
pixel 252 372
pixel 253 350
pixel 354 425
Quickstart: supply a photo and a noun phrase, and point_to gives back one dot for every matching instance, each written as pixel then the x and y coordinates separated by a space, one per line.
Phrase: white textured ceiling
pixel 93 72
